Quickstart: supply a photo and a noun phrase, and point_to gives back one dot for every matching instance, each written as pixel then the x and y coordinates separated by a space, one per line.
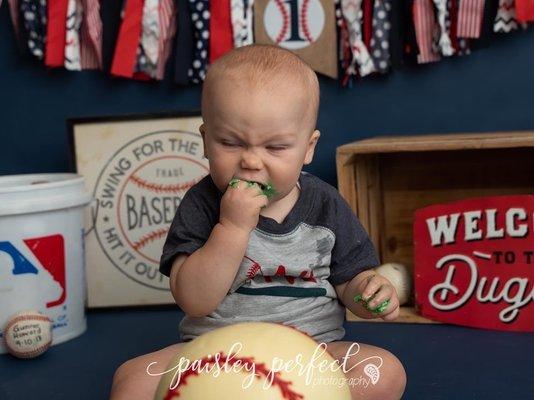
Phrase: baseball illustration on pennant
pixel 253 360
pixel 294 24
pixel 28 334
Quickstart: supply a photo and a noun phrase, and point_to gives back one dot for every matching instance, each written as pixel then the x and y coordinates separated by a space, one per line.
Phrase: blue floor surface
pixel 441 361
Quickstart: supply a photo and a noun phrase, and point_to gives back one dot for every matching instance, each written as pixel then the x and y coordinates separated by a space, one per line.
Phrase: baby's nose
pixel 250 160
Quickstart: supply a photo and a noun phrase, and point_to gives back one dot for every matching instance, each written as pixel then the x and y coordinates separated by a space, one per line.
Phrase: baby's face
pixel 257 134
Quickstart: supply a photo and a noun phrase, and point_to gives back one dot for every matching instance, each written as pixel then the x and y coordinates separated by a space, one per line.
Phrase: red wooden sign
pixel 474 262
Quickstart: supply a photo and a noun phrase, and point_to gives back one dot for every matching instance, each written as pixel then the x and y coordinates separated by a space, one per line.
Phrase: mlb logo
pixel 32 275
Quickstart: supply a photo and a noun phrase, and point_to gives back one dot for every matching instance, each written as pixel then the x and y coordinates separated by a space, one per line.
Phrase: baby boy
pixel 260 240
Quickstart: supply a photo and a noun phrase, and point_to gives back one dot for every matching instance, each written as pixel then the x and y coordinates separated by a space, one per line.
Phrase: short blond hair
pixel 263 65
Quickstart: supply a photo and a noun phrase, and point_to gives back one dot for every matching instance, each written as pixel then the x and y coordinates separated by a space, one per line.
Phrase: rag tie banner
pixel 346 39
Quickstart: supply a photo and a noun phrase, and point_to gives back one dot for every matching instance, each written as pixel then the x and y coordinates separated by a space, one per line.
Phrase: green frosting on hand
pixel 268 190
pixel 378 310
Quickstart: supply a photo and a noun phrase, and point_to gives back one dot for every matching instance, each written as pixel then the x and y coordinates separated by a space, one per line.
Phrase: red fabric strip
pixel 368 22
pixel 453 14
pixel 524 10
pixel 221 38
pixel 55 33
pixel 125 55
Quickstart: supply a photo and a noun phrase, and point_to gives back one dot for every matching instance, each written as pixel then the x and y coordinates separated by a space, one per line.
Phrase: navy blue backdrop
pixel 490 90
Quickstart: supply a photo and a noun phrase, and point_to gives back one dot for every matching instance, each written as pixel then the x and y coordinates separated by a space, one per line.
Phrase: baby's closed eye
pixel 230 144
pixel 276 148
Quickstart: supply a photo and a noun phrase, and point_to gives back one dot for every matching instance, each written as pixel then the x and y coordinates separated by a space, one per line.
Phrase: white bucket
pixel 42 250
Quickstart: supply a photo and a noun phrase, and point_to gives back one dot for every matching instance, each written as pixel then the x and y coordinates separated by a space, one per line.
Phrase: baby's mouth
pixel 261 185
pixel 267 188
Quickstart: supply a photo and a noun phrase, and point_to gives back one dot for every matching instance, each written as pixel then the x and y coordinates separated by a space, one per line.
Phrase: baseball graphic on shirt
pixel 294 24
pixel 252 360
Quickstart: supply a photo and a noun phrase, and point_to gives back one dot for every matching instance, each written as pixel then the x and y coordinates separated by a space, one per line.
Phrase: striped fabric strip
pixel 444 39
pixel 361 59
pixel 425 28
pixel 167 25
pixel 72 39
pixel 470 13
pixel 56 29
pixel 91 35
pixel 125 55
pixel 461 45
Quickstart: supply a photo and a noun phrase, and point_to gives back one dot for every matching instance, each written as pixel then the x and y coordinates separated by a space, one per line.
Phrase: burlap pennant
pixel 306 27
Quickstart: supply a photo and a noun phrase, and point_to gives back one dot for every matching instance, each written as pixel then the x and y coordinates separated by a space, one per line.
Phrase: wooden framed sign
pixel 474 262
pixel 138 169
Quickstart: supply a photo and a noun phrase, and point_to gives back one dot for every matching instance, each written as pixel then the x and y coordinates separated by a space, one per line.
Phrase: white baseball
pixel 253 360
pixel 28 334
pixel 400 278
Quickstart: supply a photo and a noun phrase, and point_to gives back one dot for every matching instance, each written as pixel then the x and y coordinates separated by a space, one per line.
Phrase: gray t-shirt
pixel 289 270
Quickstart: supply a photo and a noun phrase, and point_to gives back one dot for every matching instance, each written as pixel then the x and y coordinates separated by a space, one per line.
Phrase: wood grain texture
pixel 387 144
pixel 385 180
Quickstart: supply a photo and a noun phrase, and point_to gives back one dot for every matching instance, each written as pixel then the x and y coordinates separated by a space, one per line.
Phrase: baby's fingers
pixel 384 293
pixel 372 286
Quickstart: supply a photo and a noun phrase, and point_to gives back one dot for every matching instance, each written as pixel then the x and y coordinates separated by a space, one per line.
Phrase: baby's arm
pixel 367 284
pixel 200 281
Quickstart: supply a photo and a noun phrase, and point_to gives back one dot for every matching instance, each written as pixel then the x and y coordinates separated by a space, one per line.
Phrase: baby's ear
pixel 312 142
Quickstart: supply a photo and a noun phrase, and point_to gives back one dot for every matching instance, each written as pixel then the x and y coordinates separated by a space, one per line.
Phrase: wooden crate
pixel 386 179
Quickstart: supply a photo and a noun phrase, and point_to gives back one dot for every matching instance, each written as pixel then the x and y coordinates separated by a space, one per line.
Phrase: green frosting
pixel 378 310
pixel 268 190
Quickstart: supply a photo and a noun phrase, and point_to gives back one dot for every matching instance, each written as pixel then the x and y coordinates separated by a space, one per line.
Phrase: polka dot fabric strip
pixel 34 16
pixel 200 18
pixel 380 38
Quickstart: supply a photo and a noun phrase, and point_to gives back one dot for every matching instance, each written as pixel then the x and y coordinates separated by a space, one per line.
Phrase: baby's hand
pixel 241 205
pixel 381 297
